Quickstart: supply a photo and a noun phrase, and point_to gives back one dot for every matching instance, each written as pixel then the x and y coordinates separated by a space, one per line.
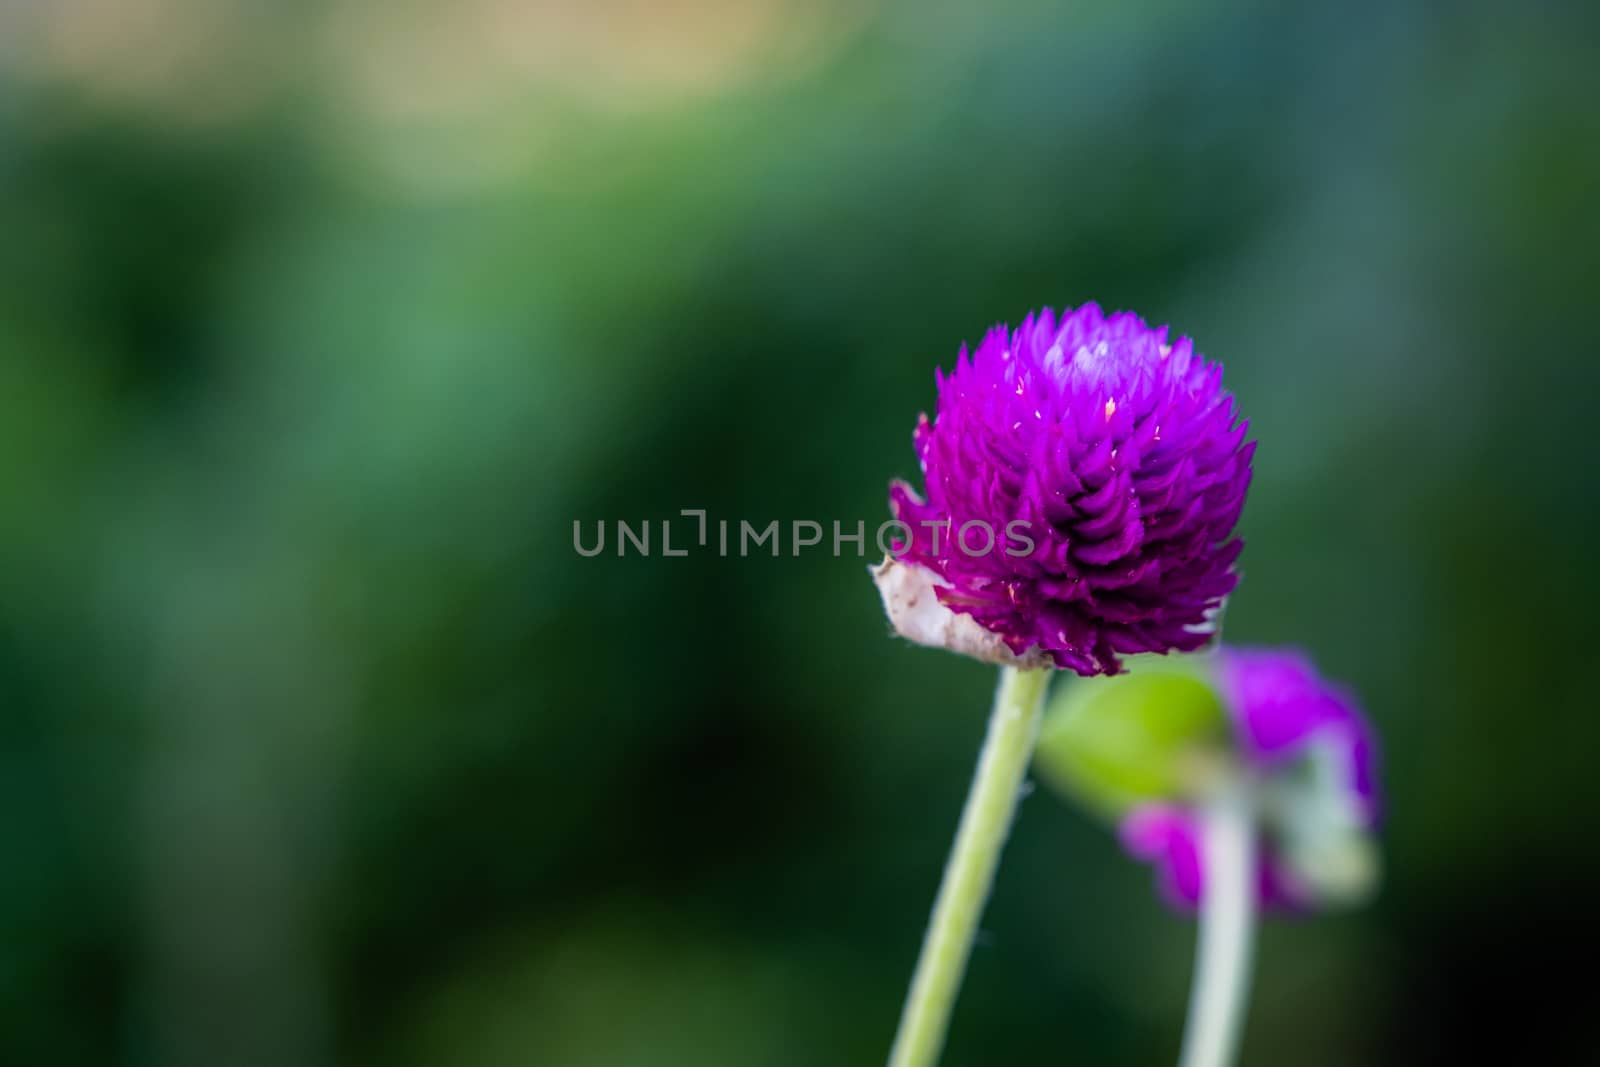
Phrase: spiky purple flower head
pixel 1126 464
pixel 1311 753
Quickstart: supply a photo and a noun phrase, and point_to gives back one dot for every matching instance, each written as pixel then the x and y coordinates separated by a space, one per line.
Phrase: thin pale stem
pixel 969 872
pixel 1221 989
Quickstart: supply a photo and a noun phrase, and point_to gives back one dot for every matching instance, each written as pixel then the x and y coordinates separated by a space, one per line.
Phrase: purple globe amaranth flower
pixel 1108 466
pixel 1310 754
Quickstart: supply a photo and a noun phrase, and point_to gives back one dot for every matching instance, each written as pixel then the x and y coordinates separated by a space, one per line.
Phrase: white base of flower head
pixel 1327 846
pixel 916 613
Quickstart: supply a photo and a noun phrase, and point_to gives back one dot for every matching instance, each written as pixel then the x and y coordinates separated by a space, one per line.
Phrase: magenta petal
pixel 1282 705
pixel 1167 837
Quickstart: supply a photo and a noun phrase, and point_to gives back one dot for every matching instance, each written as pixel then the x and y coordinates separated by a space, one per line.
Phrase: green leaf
pixel 1133 738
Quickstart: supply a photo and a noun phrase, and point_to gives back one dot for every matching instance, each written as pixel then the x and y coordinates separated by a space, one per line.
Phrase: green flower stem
pixel 1221 989
pixel 969 872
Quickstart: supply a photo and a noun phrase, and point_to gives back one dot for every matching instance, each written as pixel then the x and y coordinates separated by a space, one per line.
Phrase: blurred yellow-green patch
pixel 1132 738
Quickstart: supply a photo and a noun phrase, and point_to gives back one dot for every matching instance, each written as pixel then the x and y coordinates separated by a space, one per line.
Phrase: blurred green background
pixel 321 323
